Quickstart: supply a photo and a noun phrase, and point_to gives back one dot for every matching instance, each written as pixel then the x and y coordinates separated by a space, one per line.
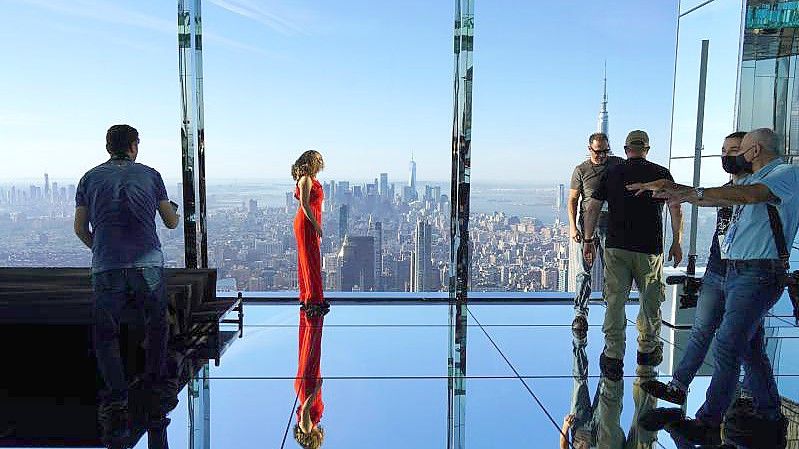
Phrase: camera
pixel 690 290
pixel 691 284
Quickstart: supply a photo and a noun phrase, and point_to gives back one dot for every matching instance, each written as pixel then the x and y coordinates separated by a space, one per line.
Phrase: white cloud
pixel 280 19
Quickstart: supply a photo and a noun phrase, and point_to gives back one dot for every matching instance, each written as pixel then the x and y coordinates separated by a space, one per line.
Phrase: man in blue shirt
pixel 115 211
pixel 753 282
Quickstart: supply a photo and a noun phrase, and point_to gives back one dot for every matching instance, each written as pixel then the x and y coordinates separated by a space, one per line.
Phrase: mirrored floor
pixel 385 371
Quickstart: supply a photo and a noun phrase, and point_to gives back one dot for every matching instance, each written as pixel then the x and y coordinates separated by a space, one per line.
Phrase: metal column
pixel 700 123
pixel 459 221
pixel 192 139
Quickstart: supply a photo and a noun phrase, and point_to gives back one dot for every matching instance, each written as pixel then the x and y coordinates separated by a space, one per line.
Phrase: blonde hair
pixel 310 440
pixel 308 164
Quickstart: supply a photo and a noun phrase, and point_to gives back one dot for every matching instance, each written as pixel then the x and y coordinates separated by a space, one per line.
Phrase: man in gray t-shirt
pixel 586 179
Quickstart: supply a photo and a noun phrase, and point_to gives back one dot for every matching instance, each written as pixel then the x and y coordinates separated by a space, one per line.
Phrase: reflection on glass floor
pixel 385 378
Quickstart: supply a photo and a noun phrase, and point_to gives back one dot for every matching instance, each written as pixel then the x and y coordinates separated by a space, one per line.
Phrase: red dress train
pixel 309 276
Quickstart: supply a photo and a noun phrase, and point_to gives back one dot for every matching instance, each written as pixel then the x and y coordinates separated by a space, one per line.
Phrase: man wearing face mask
pixel 753 282
pixel 585 180
pixel 709 308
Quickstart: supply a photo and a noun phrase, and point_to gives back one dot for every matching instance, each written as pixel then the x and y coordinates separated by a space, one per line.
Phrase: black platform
pixel 49 381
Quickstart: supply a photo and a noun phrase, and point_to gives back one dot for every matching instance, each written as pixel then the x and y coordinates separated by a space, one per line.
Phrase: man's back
pixel 635 222
pixel 122 198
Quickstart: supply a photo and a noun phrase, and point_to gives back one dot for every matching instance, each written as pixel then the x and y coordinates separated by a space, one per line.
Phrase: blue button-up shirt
pixel 750 235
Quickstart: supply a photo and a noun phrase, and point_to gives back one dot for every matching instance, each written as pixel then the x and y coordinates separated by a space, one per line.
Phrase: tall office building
pixel 411 193
pixel 384 185
pixel 602 125
pixel 356 264
pixel 560 201
pixel 343 221
pixel 46 187
pixel 421 263
pixel 376 232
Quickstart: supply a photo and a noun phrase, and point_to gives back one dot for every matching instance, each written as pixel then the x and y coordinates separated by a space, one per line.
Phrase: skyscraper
pixel 46 187
pixel 357 264
pixel 384 185
pixel 376 232
pixel 421 263
pixel 411 191
pixel 560 200
pixel 602 125
pixel 343 221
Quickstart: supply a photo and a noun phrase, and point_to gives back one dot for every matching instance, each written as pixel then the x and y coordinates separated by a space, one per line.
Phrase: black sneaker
pixel 611 368
pixel 653 358
pixel 658 418
pixel 750 430
pixel 580 326
pixel 695 432
pixel 667 392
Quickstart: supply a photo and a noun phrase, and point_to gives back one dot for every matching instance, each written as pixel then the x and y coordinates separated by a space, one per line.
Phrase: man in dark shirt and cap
pixel 634 252
pixel 119 199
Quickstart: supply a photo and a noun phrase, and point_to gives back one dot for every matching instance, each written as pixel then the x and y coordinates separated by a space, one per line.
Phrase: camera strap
pixel 779 236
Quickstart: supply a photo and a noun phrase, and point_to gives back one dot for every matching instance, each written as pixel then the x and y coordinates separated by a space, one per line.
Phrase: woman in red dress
pixel 313 307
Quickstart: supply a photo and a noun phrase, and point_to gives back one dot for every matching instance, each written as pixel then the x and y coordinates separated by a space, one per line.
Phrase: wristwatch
pixel 700 193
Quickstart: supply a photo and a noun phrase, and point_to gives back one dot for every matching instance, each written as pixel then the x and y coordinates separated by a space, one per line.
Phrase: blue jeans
pixel 749 293
pixel 115 290
pixel 709 311
pixel 583 279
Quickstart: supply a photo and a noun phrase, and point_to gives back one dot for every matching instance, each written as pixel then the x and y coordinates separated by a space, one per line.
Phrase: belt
pixel 755 263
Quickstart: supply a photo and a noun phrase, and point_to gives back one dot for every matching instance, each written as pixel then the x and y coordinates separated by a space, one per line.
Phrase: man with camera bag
pixel 765 205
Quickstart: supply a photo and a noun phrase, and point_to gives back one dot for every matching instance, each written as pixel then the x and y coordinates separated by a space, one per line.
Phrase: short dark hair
pixel 119 138
pixel 736 135
pixel 599 137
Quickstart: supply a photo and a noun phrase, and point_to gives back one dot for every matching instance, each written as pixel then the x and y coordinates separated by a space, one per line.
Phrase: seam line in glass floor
pixel 518 376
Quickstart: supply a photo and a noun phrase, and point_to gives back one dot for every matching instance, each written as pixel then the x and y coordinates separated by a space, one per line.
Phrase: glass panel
pixel 720 23
pixel 115 63
pixel 534 120
pixel 297 89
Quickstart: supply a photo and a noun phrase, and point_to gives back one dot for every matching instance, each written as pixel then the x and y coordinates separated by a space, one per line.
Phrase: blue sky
pixel 366 83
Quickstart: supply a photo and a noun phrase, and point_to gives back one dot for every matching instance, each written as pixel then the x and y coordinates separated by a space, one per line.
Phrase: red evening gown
pixel 309 276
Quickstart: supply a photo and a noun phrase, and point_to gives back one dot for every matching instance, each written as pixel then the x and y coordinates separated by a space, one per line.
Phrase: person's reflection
pixel 579 425
pixel 597 424
pixel 308 384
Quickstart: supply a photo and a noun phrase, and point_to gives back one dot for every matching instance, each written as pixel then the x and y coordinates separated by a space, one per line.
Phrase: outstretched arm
pixel 715 197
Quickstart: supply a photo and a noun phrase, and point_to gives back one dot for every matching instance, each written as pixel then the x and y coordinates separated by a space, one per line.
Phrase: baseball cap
pixel 637 139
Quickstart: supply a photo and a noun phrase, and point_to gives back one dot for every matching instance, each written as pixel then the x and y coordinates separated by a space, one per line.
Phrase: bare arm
pixel 568 421
pixel 168 214
pixel 676 222
pixel 82 226
pixel 574 199
pixel 305 183
pixel 592 210
pixel 675 252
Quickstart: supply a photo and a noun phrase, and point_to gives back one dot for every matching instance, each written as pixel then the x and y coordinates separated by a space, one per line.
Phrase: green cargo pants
pixel 622 267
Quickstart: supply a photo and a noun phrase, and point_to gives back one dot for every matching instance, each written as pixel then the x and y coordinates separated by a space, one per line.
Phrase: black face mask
pixel 735 165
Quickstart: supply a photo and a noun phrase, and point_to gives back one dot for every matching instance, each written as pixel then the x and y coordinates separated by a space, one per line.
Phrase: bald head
pixel 758 148
pixel 765 138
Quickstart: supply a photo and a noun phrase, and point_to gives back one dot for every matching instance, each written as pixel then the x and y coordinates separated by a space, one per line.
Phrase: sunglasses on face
pixel 600 152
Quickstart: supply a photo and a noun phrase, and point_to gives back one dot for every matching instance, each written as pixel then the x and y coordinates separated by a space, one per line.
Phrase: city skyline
pixel 534 100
